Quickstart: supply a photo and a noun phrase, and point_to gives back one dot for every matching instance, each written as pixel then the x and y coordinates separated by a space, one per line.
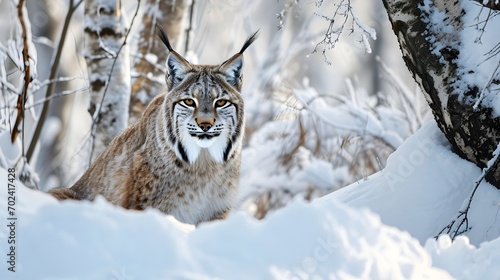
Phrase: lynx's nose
pixel 205 123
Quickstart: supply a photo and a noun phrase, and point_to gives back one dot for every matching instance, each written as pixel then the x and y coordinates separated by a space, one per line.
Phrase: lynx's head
pixel 204 107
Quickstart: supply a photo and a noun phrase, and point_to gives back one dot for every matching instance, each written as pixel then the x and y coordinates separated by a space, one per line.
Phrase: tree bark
pixel 474 132
pixel 149 80
pixel 105 30
pixel 492 4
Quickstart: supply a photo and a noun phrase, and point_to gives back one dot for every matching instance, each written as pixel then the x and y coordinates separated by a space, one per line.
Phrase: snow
pixel 370 230
pixel 427 184
pixel 478 59
pixel 302 240
pixel 368 48
pixel 352 117
pixel 9 150
pixel 464 261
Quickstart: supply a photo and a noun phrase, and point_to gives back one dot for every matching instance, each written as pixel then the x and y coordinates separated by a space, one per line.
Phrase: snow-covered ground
pixel 423 187
pixel 418 193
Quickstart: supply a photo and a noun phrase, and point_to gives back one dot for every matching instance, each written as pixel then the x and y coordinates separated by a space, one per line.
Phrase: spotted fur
pixel 183 156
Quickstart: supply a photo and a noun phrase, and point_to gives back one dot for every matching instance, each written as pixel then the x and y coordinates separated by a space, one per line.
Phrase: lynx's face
pixel 207 113
pixel 204 107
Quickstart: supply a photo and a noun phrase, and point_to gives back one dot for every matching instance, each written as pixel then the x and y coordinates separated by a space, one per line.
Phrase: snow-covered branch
pixel 338 23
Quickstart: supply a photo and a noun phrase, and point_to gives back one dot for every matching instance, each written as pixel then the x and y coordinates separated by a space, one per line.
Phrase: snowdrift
pixel 99 241
pixel 423 188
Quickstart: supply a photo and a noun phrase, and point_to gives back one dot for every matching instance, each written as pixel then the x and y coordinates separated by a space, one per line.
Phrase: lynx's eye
pixel 220 103
pixel 189 102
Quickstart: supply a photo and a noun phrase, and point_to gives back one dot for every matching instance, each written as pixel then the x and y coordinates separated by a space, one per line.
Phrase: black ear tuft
pixel 177 66
pixel 233 67
pixel 249 41
pixel 163 37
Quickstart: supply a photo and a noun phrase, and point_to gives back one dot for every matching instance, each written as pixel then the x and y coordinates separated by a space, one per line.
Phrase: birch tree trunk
pixel 105 30
pixel 433 35
pixel 149 80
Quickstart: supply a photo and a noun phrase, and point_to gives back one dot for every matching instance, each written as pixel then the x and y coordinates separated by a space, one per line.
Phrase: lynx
pixel 183 156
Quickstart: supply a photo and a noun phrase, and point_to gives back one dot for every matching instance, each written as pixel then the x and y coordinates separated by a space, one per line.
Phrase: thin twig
pixel 53 73
pixel 486 86
pixel 334 31
pixel 332 35
pixel 56 95
pixel 464 213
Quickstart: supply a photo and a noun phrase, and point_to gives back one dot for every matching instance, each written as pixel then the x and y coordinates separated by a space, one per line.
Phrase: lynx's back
pixel 183 156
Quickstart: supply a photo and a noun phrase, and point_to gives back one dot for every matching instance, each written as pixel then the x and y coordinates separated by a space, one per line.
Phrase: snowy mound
pixel 84 240
pixel 423 188
pixel 463 261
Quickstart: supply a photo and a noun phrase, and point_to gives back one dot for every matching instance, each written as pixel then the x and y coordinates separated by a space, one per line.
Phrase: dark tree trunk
pixel 473 132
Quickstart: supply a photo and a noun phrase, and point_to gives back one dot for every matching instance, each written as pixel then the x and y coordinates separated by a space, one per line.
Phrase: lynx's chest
pixel 204 201
pixel 199 192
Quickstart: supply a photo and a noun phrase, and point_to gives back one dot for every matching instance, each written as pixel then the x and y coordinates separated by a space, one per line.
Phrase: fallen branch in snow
pixel 463 225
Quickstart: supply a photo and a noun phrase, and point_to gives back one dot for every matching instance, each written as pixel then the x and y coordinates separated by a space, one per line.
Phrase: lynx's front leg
pixel 222 215
pixel 64 193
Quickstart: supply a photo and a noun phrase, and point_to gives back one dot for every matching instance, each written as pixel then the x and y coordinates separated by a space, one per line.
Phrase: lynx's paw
pixel 64 193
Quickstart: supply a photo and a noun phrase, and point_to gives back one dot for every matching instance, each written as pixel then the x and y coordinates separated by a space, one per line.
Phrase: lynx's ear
pixel 232 68
pixel 177 66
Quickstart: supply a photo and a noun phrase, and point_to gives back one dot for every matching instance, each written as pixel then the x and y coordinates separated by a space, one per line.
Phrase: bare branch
pixel 332 34
pixel 463 225
pixel 53 73
pixel 343 12
pixel 21 100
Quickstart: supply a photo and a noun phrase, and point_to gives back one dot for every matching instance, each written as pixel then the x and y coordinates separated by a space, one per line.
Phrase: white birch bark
pixel 105 29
